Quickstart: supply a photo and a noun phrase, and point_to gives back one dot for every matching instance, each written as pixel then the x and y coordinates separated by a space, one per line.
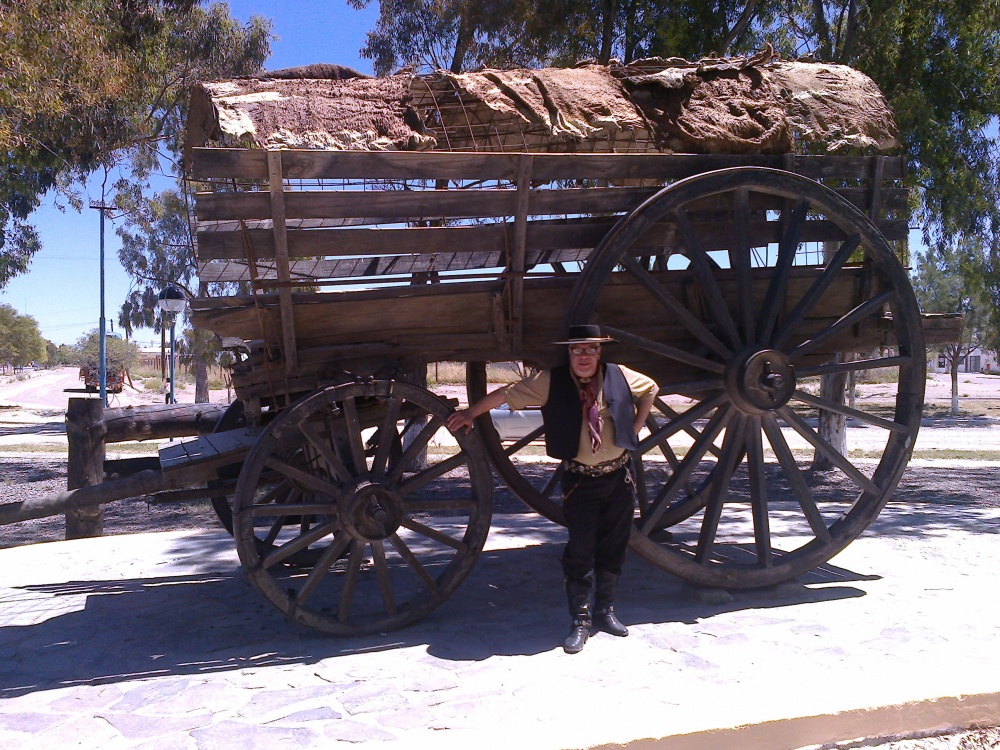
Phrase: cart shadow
pixel 93 632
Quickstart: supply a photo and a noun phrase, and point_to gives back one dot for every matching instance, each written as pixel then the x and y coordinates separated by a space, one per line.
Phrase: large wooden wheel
pixel 768 279
pixel 389 534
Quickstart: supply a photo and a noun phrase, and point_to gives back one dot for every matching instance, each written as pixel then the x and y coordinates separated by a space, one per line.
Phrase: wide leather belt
pixel 598 470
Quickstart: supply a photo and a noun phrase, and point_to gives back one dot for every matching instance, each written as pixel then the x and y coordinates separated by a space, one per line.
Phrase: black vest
pixel 563 415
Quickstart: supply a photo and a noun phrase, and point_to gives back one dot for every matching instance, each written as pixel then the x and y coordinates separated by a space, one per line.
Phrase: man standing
pixel 593 412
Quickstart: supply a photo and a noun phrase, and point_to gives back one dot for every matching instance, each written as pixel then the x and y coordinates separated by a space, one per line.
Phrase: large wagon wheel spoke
pixel 740 508
pixel 816 291
pixel 675 308
pixel 783 266
pixel 705 274
pixel 804 495
pixel 385 543
pixel 758 491
pixel 862 311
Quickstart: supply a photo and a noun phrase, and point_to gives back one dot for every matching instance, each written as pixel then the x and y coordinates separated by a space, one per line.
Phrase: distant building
pixel 978 360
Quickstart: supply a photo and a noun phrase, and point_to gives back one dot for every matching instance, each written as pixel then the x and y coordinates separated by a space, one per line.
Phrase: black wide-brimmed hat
pixel 585 334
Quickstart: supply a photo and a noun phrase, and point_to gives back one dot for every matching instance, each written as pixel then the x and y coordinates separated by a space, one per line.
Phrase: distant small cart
pixel 736 281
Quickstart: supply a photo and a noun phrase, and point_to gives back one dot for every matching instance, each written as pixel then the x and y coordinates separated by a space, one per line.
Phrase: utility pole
pixel 102 332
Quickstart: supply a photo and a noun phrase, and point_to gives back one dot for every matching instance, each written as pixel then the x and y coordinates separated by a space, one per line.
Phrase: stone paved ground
pixel 157 640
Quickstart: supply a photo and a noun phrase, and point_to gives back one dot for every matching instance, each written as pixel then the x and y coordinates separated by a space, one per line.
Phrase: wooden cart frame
pixel 734 281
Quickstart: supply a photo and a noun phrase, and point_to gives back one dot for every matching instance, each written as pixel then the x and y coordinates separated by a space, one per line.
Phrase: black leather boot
pixel 604 609
pixel 578 595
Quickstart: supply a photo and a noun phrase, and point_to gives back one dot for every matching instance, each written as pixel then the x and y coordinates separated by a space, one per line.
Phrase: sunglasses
pixel 579 350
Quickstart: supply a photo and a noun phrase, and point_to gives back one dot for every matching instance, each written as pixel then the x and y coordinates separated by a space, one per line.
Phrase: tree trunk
pixel 85 432
pixel 832 426
pixel 200 382
pixel 608 31
pixel 955 361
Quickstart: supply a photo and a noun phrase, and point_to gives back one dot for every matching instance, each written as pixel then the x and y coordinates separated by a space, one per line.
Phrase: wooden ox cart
pixel 735 280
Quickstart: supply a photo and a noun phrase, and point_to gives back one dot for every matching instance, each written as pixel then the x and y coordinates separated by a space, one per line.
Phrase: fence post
pixel 85 432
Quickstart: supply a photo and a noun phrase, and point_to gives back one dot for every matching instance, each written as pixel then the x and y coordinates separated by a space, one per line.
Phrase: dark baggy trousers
pixel 599 512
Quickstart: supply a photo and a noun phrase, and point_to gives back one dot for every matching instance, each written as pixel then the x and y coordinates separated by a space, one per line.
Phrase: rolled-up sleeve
pixel 643 387
pixel 530 391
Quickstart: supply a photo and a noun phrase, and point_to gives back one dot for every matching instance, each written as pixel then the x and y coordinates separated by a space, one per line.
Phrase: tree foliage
pixel 935 60
pixel 20 340
pixel 945 281
pixel 121 354
pixel 86 84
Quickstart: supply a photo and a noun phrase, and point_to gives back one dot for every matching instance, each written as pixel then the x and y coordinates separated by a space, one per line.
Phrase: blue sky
pixel 62 288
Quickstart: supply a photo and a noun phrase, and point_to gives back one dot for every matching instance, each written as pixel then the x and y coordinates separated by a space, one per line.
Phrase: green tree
pixel 942 281
pixel 86 84
pixel 20 340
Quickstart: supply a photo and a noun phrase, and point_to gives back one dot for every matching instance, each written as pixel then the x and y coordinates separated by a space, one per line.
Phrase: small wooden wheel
pixel 380 536
pixel 765 278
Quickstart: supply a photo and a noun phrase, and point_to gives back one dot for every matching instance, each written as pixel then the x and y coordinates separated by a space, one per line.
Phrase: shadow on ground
pixel 511 604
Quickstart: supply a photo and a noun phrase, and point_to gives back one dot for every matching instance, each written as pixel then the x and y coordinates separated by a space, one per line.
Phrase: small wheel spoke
pixel 302 477
pixel 428 475
pixel 854 365
pixel 553 480
pixel 675 308
pixel 382 576
pixel 293 509
pixel 325 451
pixel 273 532
pixel 350 580
pixel 681 423
pixel 793 475
pixel 420 441
pixel 355 441
pixel 525 441
pixel 323 566
pixel 864 310
pixel 782 268
pixel 680 477
pixel 664 350
pixel 731 455
pixel 641 493
pixel 702 266
pixel 827 405
pixel 758 493
pixel 813 294
pixel 662 407
pixel 407 554
pixel 299 543
pixel 429 505
pixel 430 533
pixel 387 433
pixel 800 426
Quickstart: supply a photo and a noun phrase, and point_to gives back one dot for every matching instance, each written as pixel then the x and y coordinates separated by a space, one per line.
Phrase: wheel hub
pixel 760 380
pixel 371 512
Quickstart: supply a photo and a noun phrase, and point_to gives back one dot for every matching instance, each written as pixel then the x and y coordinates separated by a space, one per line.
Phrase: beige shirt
pixel 534 391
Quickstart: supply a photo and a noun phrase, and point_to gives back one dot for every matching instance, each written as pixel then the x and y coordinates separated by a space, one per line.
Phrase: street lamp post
pixel 171 301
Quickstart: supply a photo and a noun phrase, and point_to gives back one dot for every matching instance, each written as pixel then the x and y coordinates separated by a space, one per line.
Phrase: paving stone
pixel 30 721
pixel 264 704
pixel 231 734
pixel 140 727
pixel 320 713
pixel 365 698
pixel 353 731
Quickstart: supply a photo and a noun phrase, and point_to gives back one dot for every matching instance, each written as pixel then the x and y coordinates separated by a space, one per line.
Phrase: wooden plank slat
pixel 458 250
pixel 277 195
pixel 395 206
pixel 251 164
